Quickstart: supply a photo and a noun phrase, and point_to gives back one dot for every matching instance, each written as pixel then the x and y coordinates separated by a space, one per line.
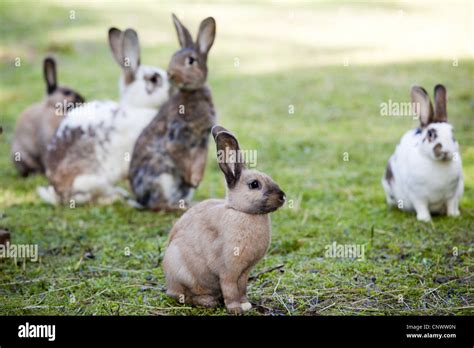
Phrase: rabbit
pixel 169 157
pixel 215 243
pixel 36 125
pixel 90 152
pixel 425 172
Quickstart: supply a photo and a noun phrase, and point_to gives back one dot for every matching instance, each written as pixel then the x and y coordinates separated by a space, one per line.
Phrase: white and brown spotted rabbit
pixel 91 150
pixel 170 155
pixel 37 124
pixel 214 245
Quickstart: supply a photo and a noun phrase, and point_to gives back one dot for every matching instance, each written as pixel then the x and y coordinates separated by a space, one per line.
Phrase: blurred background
pixel 332 63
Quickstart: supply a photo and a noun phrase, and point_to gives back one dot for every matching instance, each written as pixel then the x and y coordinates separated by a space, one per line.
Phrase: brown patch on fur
pixel 65 164
pixel 128 78
pixel 438 150
pixel 152 82
pixel 213 233
pixel 268 198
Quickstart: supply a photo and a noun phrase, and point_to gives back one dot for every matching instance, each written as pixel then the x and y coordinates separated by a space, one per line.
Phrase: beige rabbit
pixel 37 124
pixel 215 244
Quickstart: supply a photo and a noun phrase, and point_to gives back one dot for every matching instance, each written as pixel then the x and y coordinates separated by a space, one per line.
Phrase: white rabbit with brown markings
pixel 215 244
pixel 36 125
pixel 170 155
pixel 91 151
pixel 425 172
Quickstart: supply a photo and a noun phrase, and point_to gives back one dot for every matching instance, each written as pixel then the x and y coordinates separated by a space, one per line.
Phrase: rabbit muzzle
pixel 441 154
pixel 174 78
pixel 274 200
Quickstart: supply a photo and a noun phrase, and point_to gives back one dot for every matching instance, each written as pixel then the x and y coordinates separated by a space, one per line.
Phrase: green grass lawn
pixel 256 76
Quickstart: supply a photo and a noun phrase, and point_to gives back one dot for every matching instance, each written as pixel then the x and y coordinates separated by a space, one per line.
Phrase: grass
pixel 105 260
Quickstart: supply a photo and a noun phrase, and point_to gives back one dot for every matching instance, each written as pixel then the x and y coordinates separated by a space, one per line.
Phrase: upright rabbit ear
pixel 228 155
pixel 131 53
pixel 184 37
pixel 115 43
pixel 423 107
pixel 206 35
pixel 49 67
pixel 441 113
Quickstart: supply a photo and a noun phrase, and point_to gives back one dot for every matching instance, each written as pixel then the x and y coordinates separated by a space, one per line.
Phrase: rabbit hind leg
pixel 206 300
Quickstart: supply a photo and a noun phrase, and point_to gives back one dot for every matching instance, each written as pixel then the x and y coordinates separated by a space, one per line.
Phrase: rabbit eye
pixel 67 93
pixel 254 185
pixel 191 60
pixel 431 134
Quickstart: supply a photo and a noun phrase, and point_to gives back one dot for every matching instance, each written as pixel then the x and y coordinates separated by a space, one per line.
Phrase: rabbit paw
pixel 423 217
pixel 246 306
pixel 453 211
pixel 235 308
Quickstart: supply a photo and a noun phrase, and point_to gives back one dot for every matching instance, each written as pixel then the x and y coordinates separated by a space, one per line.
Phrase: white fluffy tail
pixel 48 194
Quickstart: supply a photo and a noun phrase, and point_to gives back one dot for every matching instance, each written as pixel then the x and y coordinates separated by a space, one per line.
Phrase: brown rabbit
pixel 215 244
pixel 169 157
pixel 37 124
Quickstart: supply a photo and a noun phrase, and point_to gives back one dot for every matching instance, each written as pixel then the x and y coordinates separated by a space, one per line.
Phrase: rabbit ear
pixel 184 37
pixel 423 107
pixel 115 43
pixel 206 35
pixel 228 155
pixel 131 53
pixel 49 67
pixel 441 113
